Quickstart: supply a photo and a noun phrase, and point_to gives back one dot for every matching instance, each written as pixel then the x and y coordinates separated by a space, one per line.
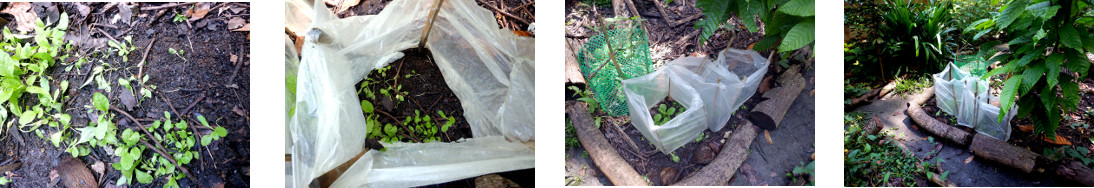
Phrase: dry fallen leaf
pixel 969 159
pixel 523 33
pixel 246 27
pixel 199 11
pixel 98 167
pixel 1025 128
pixel 24 17
pixel 346 4
pixel 1058 140
pixel 768 136
pixel 236 23
pixel 233 58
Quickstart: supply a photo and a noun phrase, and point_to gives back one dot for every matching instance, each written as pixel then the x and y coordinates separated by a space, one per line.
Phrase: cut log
pixel 735 151
pixel 1075 170
pixel 1003 153
pixel 573 70
pixel 935 127
pixel 603 154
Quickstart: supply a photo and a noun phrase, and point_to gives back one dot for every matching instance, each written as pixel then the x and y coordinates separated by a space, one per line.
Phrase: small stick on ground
pixel 187 110
pixel 107 35
pixel 154 148
pixel 664 16
pixel 140 69
pixel 167 6
pixel 685 20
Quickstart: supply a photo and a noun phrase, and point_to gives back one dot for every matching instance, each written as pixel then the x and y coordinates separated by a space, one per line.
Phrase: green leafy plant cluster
pixel 965 12
pixel 179 18
pixel 918 34
pixel 146 91
pixel 788 24
pixel 24 66
pixel 803 169
pixel 1077 153
pixel 123 47
pixel 1047 42
pixel 386 85
pixel 422 126
pixel 667 112
pixel 870 161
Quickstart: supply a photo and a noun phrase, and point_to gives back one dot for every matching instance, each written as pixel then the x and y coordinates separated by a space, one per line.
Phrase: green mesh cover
pixel 631 52
pixel 977 66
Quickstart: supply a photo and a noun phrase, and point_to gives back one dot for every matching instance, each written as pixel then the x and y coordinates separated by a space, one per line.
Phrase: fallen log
pixel 1003 153
pixel 936 127
pixel 1075 170
pixel 603 154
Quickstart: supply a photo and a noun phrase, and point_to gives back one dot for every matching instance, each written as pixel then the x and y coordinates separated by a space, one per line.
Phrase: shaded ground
pixel 209 82
pixel 977 172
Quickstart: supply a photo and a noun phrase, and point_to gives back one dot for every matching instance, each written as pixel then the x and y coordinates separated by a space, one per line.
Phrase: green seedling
pixel 123 47
pixel 664 113
pixel 179 53
pixel 218 132
pixel 179 18
pixel 674 158
pixel 4 180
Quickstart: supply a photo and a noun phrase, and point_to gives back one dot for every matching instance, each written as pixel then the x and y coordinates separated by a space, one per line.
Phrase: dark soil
pixel 208 80
pixel 426 90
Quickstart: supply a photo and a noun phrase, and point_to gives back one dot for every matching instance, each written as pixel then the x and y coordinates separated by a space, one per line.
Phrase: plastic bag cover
pixel 435 162
pixel 968 98
pixel 710 91
pixel 490 71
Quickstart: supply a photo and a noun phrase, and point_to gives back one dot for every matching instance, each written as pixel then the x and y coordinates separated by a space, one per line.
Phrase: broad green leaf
pixel 100 101
pixel 1010 89
pixel 1030 76
pixel 56 138
pixel 801 8
pixel 181 125
pixel 1052 68
pixel 206 140
pixel 63 23
pixel 366 106
pixel 220 132
pixel 143 177
pixel 1070 37
pixel 1070 90
pixel 27 117
pixel 1013 11
pixel 802 34
pixel 201 119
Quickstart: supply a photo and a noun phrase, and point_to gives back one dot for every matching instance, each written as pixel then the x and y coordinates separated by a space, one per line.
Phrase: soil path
pixel 977 172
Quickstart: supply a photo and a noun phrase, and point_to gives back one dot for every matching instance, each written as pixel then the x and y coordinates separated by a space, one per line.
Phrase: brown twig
pixel 187 110
pixel 107 35
pixel 664 16
pixel 167 6
pixel 522 6
pixel 104 25
pixel 496 9
pixel 400 123
pixel 140 69
pixel 154 148
pixel 685 20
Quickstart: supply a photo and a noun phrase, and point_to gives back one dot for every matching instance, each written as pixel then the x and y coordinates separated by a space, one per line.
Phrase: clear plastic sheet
pixel 490 70
pixel 968 98
pixel 710 91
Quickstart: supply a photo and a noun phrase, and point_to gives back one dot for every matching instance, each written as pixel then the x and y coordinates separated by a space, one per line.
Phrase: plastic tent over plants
pixel 710 91
pixel 968 98
pixel 490 70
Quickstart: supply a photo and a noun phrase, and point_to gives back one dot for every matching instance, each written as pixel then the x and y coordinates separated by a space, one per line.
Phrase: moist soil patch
pixel 213 81
pixel 426 92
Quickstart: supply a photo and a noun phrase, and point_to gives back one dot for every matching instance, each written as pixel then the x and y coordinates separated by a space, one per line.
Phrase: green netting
pixel 976 65
pixel 632 52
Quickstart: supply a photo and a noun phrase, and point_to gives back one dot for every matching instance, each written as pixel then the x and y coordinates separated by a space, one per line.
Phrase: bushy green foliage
pixel 1059 28
pixel 871 161
pixel 788 24
pixel 666 113
pixel 918 35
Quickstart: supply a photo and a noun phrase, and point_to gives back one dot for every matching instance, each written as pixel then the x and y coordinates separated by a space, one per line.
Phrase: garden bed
pixel 213 81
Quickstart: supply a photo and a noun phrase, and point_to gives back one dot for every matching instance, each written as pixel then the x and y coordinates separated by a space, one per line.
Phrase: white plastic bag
pixel 968 98
pixel 710 91
pixel 491 71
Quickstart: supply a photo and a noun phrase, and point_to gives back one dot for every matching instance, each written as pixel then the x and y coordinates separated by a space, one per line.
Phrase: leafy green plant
pixel 420 125
pixel 871 161
pixel 664 113
pixel 386 86
pixel 179 18
pixel 787 24
pixel 674 158
pixel 586 96
pixel 218 132
pixel 905 86
pixel 918 33
pixel 123 47
pixel 803 169
pixel 24 66
pixel 179 53
pixel 1049 40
